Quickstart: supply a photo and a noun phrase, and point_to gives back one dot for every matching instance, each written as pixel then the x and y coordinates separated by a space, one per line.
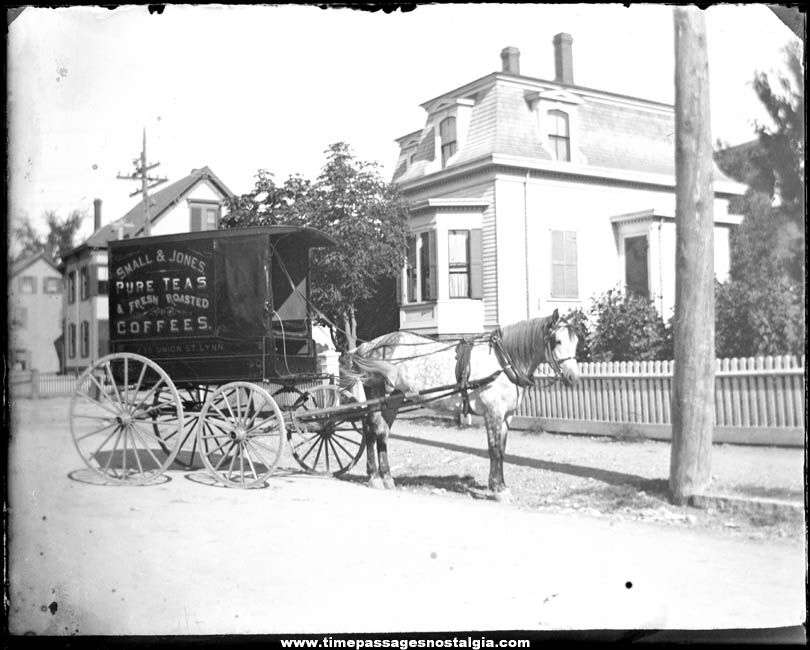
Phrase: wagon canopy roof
pixel 308 237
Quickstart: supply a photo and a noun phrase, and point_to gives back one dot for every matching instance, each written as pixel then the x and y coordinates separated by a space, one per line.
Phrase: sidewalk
pixel 752 480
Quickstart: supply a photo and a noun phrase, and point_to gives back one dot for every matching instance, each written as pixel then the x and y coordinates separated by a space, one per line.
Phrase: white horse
pixel 492 372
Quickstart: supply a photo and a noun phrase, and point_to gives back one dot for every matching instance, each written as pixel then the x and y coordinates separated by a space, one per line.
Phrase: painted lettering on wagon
pixel 174 256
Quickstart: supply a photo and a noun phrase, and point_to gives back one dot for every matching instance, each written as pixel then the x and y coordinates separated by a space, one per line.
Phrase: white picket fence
pixel 757 401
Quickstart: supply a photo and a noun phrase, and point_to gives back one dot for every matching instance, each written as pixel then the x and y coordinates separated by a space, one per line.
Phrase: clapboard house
pixel 528 195
pixel 191 204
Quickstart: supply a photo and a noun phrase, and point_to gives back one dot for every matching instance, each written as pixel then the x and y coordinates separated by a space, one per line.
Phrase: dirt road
pixel 309 554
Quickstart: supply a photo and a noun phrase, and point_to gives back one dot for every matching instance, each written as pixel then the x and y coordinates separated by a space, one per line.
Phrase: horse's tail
pixel 355 368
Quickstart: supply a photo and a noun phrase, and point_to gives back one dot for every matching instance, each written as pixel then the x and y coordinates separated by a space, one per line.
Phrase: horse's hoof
pixel 388 481
pixel 376 482
pixel 503 496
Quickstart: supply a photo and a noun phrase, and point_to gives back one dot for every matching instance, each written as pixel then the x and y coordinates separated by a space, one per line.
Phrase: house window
pixel 85 334
pixel 564 283
pixel 204 216
pixel 447 132
pixel 559 137
pixel 51 285
pixel 636 265
pixel 458 259
pixel 28 284
pixel 19 317
pixel 72 340
pixel 21 360
pixel 72 287
pixel 421 267
pixel 84 283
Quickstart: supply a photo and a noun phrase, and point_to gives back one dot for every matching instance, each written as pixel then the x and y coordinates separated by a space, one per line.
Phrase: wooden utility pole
pixel 142 173
pixel 693 379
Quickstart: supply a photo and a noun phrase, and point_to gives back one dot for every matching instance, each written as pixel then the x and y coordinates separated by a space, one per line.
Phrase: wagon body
pixel 216 306
pixel 198 322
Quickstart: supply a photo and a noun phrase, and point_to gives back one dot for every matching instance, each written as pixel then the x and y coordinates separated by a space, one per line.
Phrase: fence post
pixel 34 383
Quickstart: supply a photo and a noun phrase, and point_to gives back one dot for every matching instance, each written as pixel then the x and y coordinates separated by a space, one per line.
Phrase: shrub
pixel 628 327
pixel 752 320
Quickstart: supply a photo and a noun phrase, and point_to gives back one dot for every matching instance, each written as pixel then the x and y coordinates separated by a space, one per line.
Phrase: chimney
pixel 510 56
pixel 96 214
pixel 563 61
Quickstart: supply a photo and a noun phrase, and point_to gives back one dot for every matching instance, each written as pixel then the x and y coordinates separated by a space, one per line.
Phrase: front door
pixel 636 265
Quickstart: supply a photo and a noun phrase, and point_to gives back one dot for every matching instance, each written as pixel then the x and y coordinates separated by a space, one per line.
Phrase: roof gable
pixel 22 265
pixel 160 202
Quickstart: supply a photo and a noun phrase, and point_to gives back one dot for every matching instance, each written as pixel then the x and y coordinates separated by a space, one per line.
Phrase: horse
pixel 488 375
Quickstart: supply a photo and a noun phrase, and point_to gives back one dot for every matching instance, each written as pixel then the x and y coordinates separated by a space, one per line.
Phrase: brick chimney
pixel 96 214
pixel 563 61
pixel 510 56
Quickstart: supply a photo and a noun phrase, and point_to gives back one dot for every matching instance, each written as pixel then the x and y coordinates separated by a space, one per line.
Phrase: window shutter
pixel 400 289
pixel 557 263
pixel 571 282
pixel 411 270
pixel 433 277
pixel 196 219
pixel 476 265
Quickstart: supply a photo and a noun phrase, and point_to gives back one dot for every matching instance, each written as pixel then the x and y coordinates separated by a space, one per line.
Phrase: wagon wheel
pixel 241 434
pixel 193 398
pixel 117 429
pixel 331 444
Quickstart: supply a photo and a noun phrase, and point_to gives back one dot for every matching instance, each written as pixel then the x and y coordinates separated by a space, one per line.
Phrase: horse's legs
pixel 388 417
pixel 370 434
pixel 496 441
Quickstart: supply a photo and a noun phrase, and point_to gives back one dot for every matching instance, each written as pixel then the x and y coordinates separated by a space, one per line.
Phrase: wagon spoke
pixel 112 453
pixel 225 455
pixel 103 394
pixel 333 441
pixel 257 450
pixel 250 461
pixel 95 431
pixel 94 401
pixel 137 388
pixel 262 423
pixel 149 393
pixel 144 441
pixel 345 439
pixel 129 434
pixel 235 449
pixel 314 436
pixel 126 379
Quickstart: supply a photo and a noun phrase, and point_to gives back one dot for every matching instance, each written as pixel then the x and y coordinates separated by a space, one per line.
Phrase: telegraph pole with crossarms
pixel 147 183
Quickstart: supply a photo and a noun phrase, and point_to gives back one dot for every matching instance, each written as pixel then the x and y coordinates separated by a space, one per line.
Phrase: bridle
pixel 551 357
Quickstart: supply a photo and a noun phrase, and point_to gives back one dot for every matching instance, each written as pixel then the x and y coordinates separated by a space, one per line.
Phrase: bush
pixel 628 327
pixel 751 320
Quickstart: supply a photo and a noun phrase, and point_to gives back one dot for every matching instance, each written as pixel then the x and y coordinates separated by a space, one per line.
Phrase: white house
pixel 193 203
pixel 528 195
pixel 35 313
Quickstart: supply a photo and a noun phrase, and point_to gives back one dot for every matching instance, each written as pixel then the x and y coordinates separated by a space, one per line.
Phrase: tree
pixel 760 310
pixel 58 241
pixel 351 202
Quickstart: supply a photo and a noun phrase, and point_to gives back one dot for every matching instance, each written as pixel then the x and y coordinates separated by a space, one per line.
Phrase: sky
pixel 242 88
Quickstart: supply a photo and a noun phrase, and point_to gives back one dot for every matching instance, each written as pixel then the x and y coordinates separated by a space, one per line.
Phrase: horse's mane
pixel 525 341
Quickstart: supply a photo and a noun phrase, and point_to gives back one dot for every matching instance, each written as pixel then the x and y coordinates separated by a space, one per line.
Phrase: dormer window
pixel 559 136
pixel 447 133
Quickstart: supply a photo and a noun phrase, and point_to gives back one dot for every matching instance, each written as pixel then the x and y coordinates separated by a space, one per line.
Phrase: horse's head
pixel 561 349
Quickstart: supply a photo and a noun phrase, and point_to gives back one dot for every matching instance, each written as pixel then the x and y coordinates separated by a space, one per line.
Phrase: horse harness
pixel 515 374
